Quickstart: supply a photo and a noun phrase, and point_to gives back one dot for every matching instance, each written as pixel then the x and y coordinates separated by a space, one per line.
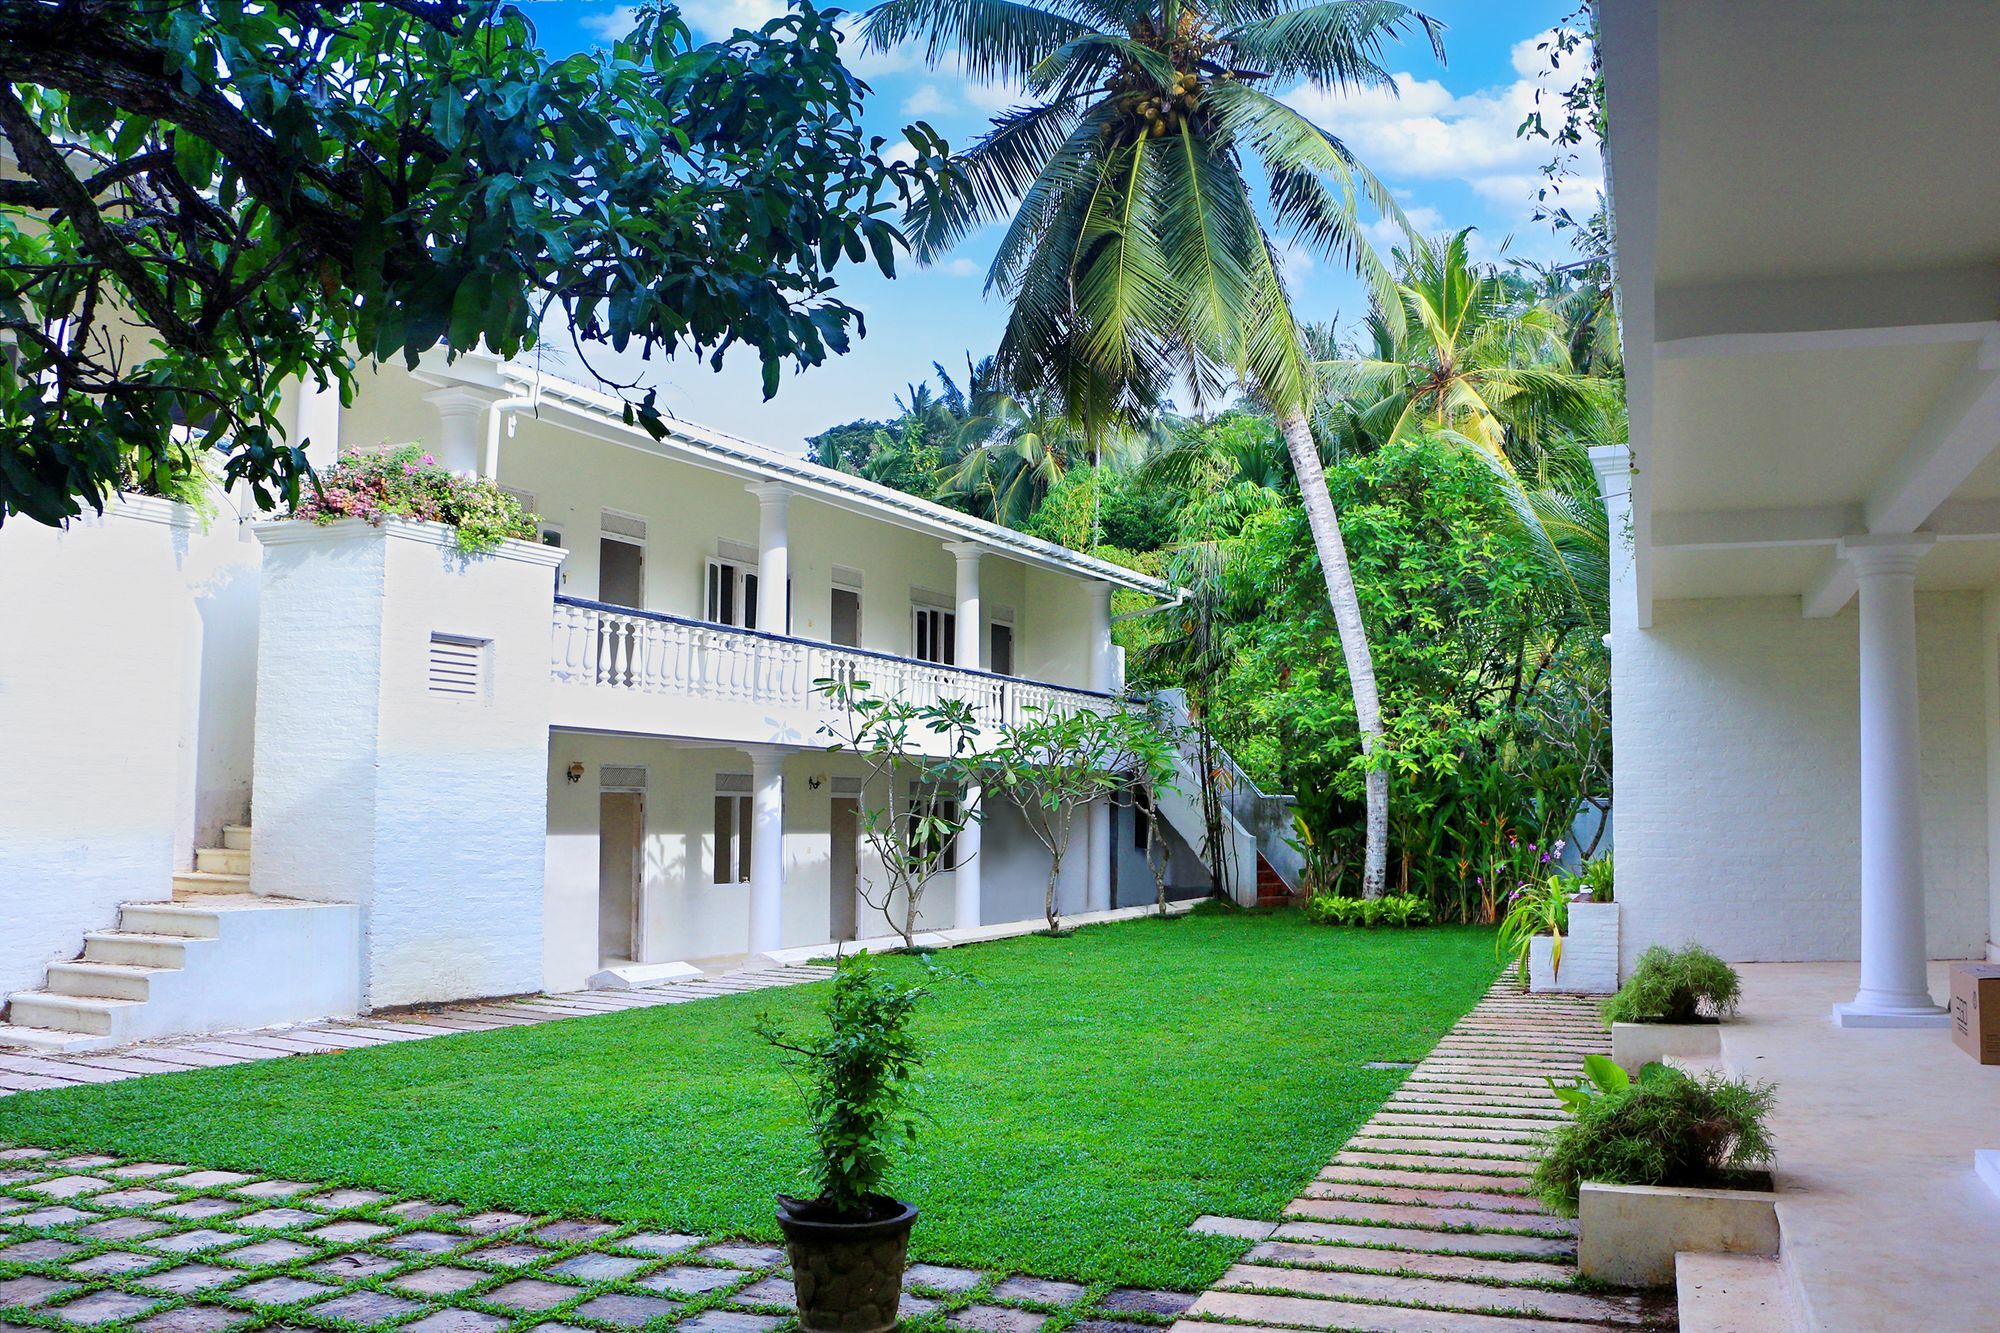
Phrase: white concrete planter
pixel 1628 1235
pixel 1636 1045
pixel 1589 954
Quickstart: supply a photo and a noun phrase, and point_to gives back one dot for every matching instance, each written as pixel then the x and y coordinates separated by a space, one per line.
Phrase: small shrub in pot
pixel 1687 985
pixel 1666 1127
pixel 849 1242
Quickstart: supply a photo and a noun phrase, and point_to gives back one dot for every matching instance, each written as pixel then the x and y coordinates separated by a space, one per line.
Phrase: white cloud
pixel 1427 131
pixel 612 23
pixel 1385 235
pixel 868 63
pixel 925 101
pixel 1295 262
pixel 900 151
pixel 962 268
pixel 719 18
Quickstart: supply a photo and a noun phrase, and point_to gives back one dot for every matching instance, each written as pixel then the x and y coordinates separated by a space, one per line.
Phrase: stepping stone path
pixel 338 1258
pixel 29 1071
pixel 1423 1222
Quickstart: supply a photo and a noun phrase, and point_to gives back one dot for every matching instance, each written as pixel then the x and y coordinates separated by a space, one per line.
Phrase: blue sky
pixel 1445 146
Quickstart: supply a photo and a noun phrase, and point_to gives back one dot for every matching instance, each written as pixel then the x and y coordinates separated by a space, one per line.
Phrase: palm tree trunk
pixel 1353 634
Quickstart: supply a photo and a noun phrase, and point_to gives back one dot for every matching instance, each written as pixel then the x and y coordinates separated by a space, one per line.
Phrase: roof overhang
pixel 1808 252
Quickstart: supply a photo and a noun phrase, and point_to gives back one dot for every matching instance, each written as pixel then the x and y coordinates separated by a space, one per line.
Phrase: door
pixel 621 825
pixel 847 617
pixel 1000 649
pixel 621 573
pixel 843 883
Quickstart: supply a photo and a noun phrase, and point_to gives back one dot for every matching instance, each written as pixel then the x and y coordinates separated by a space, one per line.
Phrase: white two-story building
pixel 597 759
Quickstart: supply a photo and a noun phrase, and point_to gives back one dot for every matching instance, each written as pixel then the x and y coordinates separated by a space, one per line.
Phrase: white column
pixel 1894 990
pixel 968 889
pixel 461 413
pixel 1103 660
pixel 767 848
pixel 317 423
pixel 1097 815
pixel 774 556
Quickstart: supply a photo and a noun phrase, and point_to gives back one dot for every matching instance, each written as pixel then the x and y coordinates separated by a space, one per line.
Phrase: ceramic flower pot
pixel 849 1275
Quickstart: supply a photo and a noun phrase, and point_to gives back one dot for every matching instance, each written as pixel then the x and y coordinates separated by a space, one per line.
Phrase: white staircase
pixel 215 956
pixel 1255 855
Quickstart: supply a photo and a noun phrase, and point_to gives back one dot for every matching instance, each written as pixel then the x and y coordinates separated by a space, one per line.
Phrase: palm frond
pixel 1338 44
pixel 993 40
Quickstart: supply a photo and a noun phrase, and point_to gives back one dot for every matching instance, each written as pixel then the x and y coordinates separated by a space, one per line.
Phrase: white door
pixel 843 881
pixel 621 825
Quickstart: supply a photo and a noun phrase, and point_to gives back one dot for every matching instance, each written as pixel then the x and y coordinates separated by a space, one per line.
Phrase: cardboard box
pixel 1975 1010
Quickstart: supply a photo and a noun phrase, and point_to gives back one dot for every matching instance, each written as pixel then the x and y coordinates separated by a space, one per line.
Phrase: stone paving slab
pixel 1440 1292
pixel 1354 1317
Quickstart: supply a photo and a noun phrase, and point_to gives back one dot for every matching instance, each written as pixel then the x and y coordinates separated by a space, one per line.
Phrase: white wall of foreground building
pixel 127 678
pixel 1738 752
pixel 375 787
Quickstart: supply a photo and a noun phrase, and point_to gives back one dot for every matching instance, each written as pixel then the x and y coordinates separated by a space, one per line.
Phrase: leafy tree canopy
pixel 208 199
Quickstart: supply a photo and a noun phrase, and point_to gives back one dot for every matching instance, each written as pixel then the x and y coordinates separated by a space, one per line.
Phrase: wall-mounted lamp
pixel 814 783
pixel 574 774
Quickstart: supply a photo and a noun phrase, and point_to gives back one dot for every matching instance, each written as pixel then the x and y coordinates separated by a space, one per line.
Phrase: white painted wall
pixel 1737 745
pixel 1989 640
pixel 97 704
pixel 426 810
pixel 687 914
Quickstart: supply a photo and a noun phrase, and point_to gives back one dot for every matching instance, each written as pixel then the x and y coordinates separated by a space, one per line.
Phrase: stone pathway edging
pixel 1424 1221
pixel 90 1241
pixel 21 1071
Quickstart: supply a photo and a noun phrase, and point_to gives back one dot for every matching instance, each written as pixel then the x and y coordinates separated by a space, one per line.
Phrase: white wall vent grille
pixel 843 577
pixel 457 666
pixel 526 499
pixel 624 525
pixel 846 786
pixel 621 777
pixel 737 552
pixel 732 782
pixel 943 601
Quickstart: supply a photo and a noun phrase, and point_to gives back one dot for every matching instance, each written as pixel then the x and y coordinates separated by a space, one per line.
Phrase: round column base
pixel 1859 1013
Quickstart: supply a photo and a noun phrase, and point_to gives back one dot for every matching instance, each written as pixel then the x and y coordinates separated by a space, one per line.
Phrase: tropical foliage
pixel 273 190
pixel 408 483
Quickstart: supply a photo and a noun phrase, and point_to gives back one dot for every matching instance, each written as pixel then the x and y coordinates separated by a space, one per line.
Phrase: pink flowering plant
pixel 406 482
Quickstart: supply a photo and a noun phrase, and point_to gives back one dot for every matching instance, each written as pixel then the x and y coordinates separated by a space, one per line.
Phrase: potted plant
pixel 1533 929
pixel 849 1242
pixel 1652 1166
pixel 1670 1006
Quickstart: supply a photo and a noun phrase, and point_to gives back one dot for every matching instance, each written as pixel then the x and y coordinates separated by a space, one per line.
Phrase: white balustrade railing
pixel 650 653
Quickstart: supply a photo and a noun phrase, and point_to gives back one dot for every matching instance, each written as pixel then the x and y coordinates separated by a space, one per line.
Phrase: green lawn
pixel 1085 1097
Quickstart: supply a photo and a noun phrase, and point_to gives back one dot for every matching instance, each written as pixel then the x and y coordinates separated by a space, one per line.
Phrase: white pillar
pixel 1103 660
pixel 774 556
pixel 317 423
pixel 1894 990
pixel 767 849
pixel 968 888
pixel 1097 815
pixel 461 413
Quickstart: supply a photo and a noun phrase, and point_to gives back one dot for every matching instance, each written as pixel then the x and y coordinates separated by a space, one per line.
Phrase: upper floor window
pixel 621 560
pixel 936 635
pixel 1000 649
pixel 732 593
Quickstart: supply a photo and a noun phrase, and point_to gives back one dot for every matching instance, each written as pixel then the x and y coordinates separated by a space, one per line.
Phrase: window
pixel 936 635
pixel 1000 649
pixel 732 828
pixel 457 666
pixel 732 594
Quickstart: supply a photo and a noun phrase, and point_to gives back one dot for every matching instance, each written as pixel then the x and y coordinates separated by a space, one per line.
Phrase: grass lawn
pixel 1085 1097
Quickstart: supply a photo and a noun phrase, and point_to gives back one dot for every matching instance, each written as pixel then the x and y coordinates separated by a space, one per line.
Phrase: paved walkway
pixel 91 1241
pixel 21 1071
pixel 1422 1223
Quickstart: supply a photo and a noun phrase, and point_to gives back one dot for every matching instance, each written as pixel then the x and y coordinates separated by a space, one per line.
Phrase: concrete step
pixel 236 837
pixel 107 981
pixel 136 948
pixel 183 920
pixel 222 861
pixel 193 884
pixel 90 1014
pixel 47 1041
pixel 1734 1293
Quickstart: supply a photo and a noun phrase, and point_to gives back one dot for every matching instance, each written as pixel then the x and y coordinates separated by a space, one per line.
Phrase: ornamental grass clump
pixel 1667 1127
pixel 1685 985
pixel 406 482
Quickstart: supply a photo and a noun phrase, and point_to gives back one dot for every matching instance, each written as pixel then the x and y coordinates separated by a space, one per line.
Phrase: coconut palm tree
pixel 1134 255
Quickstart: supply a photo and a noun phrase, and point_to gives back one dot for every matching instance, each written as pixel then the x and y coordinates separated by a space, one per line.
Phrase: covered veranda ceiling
pixel 1808 228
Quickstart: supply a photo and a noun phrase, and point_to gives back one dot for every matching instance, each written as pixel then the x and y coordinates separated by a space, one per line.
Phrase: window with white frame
pixel 731 593
pixel 934 633
pixel 732 828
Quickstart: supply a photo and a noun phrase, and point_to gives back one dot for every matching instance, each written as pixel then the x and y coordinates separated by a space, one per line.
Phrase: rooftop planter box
pixel 1671 1007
